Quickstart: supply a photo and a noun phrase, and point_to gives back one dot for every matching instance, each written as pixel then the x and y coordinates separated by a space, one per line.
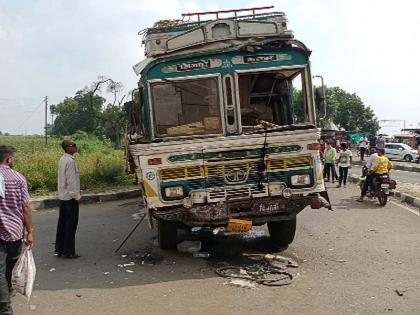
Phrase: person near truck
pixel 15 220
pixel 362 147
pixel 380 143
pixel 344 161
pixel 69 197
pixel 329 159
pixel 381 166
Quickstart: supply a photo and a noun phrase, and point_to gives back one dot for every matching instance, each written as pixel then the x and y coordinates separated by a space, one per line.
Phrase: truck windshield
pixel 187 107
pixel 275 97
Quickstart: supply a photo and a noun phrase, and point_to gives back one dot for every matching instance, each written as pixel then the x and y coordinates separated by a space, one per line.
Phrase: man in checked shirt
pixel 15 217
pixel 69 196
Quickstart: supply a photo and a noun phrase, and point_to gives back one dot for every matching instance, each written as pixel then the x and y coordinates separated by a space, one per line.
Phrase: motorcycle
pixel 381 186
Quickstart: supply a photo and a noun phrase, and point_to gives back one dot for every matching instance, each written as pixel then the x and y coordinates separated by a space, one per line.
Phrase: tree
pixel 343 109
pixel 76 113
pixel 86 112
pixel 349 112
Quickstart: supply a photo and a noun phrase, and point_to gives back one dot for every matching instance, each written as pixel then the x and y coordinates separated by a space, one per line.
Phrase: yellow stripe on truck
pixel 149 190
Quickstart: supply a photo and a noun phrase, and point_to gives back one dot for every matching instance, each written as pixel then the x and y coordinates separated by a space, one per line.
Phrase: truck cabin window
pixel 186 107
pixel 277 98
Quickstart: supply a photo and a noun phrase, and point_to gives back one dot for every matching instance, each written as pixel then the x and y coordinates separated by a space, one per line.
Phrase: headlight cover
pixel 300 180
pixel 174 192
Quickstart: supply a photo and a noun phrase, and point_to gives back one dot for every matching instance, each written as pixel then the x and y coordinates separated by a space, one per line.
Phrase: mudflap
pixel 325 195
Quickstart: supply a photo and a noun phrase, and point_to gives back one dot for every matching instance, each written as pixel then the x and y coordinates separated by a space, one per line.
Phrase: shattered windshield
pixel 274 99
pixel 187 107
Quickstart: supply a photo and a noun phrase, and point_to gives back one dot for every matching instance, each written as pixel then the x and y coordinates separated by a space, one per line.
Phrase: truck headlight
pixel 300 180
pixel 174 192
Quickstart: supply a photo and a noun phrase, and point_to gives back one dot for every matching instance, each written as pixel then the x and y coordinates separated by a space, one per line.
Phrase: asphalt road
pixel 402 176
pixel 351 261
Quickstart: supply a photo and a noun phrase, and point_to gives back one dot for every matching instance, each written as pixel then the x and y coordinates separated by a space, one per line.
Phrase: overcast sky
pixel 56 47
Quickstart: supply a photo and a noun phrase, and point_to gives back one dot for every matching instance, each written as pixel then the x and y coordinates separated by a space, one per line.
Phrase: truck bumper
pixel 259 210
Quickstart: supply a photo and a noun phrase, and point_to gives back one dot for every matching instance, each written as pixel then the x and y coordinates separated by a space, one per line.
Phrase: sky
pixel 56 47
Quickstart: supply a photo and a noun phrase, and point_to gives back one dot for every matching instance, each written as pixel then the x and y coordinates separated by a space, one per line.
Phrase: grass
pixel 100 165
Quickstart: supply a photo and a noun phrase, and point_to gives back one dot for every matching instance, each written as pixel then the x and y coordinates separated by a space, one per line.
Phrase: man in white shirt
pixel 362 148
pixel 70 197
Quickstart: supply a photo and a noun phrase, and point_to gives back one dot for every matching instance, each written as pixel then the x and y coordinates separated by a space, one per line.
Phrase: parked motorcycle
pixel 381 186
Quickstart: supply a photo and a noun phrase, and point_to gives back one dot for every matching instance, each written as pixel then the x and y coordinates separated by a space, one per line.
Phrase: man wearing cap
pixel 70 197
pixel 15 219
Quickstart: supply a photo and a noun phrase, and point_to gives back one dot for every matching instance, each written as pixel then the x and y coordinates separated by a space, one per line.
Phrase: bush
pixel 100 165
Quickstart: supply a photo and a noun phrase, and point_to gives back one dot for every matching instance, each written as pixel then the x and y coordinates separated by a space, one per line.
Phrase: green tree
pixel 349 112
pixel 76 113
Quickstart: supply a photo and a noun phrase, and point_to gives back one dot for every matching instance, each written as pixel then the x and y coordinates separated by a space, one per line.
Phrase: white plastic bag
pixel 23 274
pixel 2 187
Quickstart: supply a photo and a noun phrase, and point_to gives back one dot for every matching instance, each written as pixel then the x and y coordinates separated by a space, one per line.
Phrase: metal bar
pixel 132 231
pixel 228 11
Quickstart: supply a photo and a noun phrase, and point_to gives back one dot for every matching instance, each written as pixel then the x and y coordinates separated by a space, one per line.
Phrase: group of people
pixel 16 226
pixel 368 146
pixel 342 158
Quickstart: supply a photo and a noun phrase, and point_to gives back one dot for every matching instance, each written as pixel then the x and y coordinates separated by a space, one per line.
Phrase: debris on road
pixel 262 273
pixel 129 271
pixel 276 261
pixel 201 255
pixel 399 292
pixel 243 283
pixel 189 247
pixel 340 260
pixel 52 269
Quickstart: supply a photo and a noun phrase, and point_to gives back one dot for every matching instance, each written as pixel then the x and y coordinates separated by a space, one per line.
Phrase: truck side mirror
pixel 320 101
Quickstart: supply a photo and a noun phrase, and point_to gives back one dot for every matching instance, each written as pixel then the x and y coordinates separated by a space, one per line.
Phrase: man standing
pixel 344 161
pixel 15 217
pixel 380 143
pixel 69 196
pixel 362 148
pixel 329 158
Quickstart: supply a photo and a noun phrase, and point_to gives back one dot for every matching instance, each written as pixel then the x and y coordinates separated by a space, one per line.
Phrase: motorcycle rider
pixel 377 165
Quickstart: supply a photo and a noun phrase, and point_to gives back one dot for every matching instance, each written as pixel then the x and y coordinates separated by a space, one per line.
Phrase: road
pixel 351 261
pixel 399 176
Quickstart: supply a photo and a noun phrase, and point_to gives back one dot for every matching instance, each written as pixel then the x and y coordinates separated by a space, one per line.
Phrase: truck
pixel 222 129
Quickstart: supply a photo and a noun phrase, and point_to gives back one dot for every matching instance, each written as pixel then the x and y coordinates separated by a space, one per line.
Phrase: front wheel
pixel 167 234
pixel 282 233
pixel 382 198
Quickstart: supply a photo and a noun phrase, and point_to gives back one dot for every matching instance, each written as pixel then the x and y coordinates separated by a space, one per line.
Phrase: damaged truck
pixel 222 128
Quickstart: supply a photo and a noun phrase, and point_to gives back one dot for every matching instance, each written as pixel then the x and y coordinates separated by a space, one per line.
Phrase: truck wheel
pixel 408 158
pixel 167 234
pixel 282 233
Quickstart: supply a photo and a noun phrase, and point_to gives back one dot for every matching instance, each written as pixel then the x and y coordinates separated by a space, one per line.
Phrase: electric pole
pixel 46 121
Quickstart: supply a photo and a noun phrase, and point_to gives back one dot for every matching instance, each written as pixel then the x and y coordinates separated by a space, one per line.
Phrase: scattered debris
pixel 340 260
pixel 201 255
pixel 189 247
pixel 52 269
pixel 262 273
pixel 129 264
pixel 32 307
pixel 123 256
pixel 276 261
pixel 106 273
pixel 243 283
pixel 129 271
pixel 399 293
pixel 78 295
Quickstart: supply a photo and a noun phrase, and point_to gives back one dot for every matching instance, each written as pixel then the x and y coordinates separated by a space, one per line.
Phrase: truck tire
pixel 282 233
pixel 167 234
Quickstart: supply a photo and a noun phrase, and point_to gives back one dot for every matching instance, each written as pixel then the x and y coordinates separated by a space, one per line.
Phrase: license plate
pixel 236 225
pixel 384 185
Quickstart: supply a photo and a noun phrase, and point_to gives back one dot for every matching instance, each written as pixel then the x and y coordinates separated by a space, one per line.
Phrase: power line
pixel 29 116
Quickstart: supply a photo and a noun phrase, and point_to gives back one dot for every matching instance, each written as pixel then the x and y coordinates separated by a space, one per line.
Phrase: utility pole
pixel 46 121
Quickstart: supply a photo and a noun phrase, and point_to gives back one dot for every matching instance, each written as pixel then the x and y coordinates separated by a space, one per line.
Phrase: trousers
pixel 68 218
pixel 9 254
pixel 343 175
